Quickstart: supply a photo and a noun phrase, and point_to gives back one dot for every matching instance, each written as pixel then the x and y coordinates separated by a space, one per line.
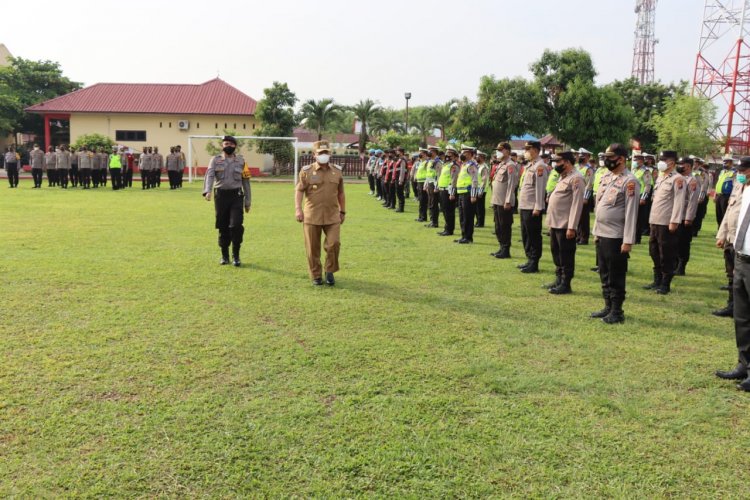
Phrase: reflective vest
pixel 639 173
pixel 724 183
pixel 421 172
pixel 552 181
pixel 464 180
pixel 444 182
pixel 598 177
pixel 429 170
pixel 114 161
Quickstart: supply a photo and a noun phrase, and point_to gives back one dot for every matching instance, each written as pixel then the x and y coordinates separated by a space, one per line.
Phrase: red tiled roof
pixel 550 140
pixel 214 97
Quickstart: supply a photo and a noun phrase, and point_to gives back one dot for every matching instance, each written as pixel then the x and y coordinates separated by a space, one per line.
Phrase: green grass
pixel 133 365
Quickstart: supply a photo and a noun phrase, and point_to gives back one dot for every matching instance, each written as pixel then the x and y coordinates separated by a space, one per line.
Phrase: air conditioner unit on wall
pixel 183 124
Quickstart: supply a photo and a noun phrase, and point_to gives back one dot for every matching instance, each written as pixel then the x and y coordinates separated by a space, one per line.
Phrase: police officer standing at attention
pixel 322 186
pixel 483 173
pixel 446 182
pixel 36 158
pixel 432 171
pixel 531 203
pixel 173 165
pixel 504 184
pixel 643 174
pixel 62 164
pixel 467 187
pixel 50 161
pixel 617 205
pixel 227 173
pixel 665 218
pixel 689 209
pixel 723 187
pixel 742 290
pixel 563 216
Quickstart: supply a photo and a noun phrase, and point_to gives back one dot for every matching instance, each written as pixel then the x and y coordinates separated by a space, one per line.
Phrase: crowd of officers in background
pixel 88 167
pixel 631 194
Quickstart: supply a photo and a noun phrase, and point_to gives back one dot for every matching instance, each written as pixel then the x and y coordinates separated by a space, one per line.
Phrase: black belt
pixel 229 191
pixel 743 258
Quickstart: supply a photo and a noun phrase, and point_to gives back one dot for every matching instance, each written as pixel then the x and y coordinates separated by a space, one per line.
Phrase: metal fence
pixel 353 166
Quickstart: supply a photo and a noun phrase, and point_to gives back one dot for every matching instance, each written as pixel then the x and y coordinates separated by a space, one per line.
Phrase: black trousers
pixel 51 177
pixel 481 209
pixel 531 235
pixel 613 267
pixel 156 177
pixel 172 174
pixel 662 247
pixel 399 187
pixel 503 225
pixel 563 254
pixel 74 174
pixel 12 170
pixel 422 197
pixel 722 201
pixel 38 175
pixel 449 211
pixel 127 177
pixel 145 184
pixel 103 178
pixel 379 187
pixel 62 177
pixel 729 268
pixel 642 226
pixel 85 177
pixel 584 224
pixel 684 239
pixel 700 214
pixel 466 213
pixel 96 176
pixel 433 203
pixel 742 307
pixel 229 217
pixel 116 174
pixel 371 182
pixel 414 188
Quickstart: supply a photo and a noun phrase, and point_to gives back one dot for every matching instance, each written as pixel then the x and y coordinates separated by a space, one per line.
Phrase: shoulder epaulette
pixel 306 167
pixel 337 166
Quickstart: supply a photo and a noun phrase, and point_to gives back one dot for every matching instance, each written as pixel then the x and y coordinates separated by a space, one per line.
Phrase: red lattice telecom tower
pixel 722 70
pixel 643 47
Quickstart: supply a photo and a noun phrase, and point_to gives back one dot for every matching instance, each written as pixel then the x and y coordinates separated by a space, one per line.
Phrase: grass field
pixel 133 365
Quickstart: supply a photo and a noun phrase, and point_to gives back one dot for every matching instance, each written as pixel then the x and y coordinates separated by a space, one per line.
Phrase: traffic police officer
pixel 615 230
pixel 643 174
pixel 665 218
pixel 420 177
pixel 432 170
pixel 446 182
pixel 467 188
pixel 531 204
pixel 322 186
pixel 228 179
pixel 723 187
pixel 504 184
pixel 563 216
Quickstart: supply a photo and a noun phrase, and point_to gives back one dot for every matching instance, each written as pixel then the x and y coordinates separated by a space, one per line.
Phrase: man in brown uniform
pixel 36 158
pixel 615 230
pixel 563 215
pixel 322 186
pixel 504 185
pixel 665 218
pixel 531 203
pixel 689 210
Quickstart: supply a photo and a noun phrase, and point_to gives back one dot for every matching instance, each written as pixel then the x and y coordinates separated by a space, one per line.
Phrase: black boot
pixel 680 270
pixel 727 312
pixel 655 284
pixel 533 267
pixel 738 373
pixel 563 288
pixel 224 256
pixel 616 315
pixel 504 253
pixel 607 308
pixel 236 256
pixel 665 287
pixel 558 281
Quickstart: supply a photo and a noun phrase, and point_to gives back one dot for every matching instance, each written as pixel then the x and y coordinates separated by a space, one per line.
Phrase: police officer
pixel 483 173
pixel 563 216
pixel 665 218
pixel 615 230
pixel 104 160
pixel 643 174
pixel 127 161
pixel 183 163
pixel 741 288
pixel 11 166
pixel 504 184
pixel 467 188
pixel 96 167
pixel 432 170
pixel 85 164
pixel 173 165
pixel 62 166
pixel 115 170
pixel 230 177
pixel 401 178
pixel 727 232
pixel 531 204
pixel 587 171
pixel 157 165
pixel 74 172
pixel 322 186
pixel 447 191
pixel 36 158
pixel 419 177
pixel 689 210
pixel 50 161
pixel 704 184
pixel 723 187
pixel 144 166
pixel 370 170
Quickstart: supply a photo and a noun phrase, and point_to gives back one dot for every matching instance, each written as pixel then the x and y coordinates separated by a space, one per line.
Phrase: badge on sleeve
pixel 630 188
pixel 539 171
pixel 679 183
pixel 693 186
pixel 510 169
pixel 246 172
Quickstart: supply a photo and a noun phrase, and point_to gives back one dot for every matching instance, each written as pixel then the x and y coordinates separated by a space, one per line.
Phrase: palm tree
pixel 387 119
pixel 317 114
pixel 365 111
pixel 443 116
pixel 423 125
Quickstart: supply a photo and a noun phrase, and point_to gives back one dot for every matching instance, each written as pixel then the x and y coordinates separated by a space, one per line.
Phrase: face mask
pixel 601 163
pixel 581 161
pixel 662 166
pixel 610 164
pixel 36 148
pixel 741 178
pixel 229 150
pixel 463 157
pixel 680 169
pixel 323 159
pixel 634 164
pixel 499 155
pixel 559 167
pixel 527 156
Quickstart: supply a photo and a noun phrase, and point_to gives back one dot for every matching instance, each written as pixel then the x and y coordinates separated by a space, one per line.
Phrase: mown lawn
pixel 133 365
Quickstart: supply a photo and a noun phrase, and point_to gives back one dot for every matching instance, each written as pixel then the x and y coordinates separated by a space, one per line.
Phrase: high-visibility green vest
pixel 552 181
pixel 724 176
pixel 464 180
pixel 445 179
pixel 429 170
pixel 421 173
pixel 598 177
pixel 639 173
pixel 114 161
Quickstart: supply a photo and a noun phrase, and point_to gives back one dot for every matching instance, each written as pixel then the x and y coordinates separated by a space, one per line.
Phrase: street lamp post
pixel 407 96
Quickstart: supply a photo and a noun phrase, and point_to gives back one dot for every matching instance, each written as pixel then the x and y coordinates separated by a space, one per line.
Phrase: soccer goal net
pixel 266 156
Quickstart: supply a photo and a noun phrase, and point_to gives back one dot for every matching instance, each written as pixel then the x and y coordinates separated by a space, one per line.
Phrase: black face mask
pixel 610 164
pixel 581 161
pixel 559 168
pixel 463 158
pixel 229 149
pixel 680 169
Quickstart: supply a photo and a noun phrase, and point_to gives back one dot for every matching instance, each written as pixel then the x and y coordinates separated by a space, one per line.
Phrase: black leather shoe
pixel 601 314
pixel 744 385
pixel 727 312
pixel 739 372
pixel 532 268
pixel 445 233
pixel 595 269
pixel 663 290
pixel 419 220
pixel 236 262
pixel 330 281
pixel 560 290
pixel 224 261
pixel 613 318
pixel 525 264
pixel 494 254
pixel 431 225
pixel 464 241
pixel 503 255
pixel 318 282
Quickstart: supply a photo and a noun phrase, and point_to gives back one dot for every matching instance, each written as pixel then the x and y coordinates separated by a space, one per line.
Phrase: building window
pixel 216 126
pixel 160 125
pixel 225 125
pixel 197 124
pixel 253 126
pixel 130 135
pixel 235 126
pixel 170 124
pixel 244 126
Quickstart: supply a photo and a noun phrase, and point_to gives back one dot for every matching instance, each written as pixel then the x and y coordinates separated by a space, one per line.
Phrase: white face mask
pixel 527 156
pixel 36 148
pixel 499 154
pixel 323 159
pixel 601 163
pixel 662 166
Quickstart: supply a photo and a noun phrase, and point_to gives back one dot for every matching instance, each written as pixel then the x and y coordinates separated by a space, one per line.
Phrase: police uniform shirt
pixel 37 158
pixel 228 173
pixel 533 183
pixel 668 200
pixel 692 190
pixel 173 162
pixel 50 159
pixel 617 207
pixel 704 183
pixel 566 201
pixel 745 203
pixel 400 169
pixel 62 160
pixel 85 160
pixel 647 181
pixel 157 161
pixel 504 184
pixel 728 229
pixel 144 162
pixel 321 185
pixel 10 157
pixel 96 161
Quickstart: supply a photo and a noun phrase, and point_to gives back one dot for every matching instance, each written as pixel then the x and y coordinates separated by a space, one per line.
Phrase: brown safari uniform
pixel 321 185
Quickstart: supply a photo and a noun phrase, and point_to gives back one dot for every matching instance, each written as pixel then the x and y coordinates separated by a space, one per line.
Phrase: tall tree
pixel 318 114
pixel 24 83
pixel 647 101
pixel 422 124
pixel 364 111
pixel 275 111
pixel 388 119
pixel 555 71
pixel 686 125
pixel 443 116
pixel 592 117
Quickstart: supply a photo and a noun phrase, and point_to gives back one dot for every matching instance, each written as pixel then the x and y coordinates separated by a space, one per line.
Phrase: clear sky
pixel 347 50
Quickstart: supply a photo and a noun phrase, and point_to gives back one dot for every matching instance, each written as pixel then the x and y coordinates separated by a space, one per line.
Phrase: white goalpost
pixel 254 140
